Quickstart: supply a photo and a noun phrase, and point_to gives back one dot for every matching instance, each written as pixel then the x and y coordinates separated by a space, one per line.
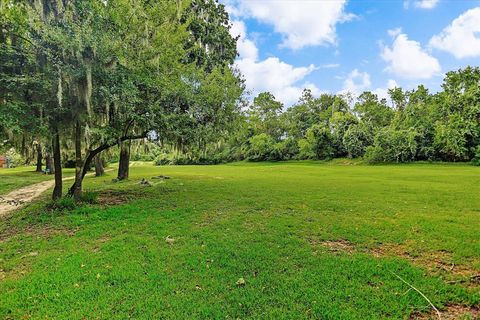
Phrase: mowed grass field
pixel 309 239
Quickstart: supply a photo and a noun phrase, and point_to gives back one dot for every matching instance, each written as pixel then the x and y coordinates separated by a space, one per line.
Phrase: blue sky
pixel 351 46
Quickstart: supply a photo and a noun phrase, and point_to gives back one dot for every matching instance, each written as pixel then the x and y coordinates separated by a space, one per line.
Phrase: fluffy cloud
pixel 422 4
pixel 461 38
pixel 356 82
pixel 407 59
pixel 276 76
pixel 271 74
pixel 382 93
pixel 246 47
pixel 301 22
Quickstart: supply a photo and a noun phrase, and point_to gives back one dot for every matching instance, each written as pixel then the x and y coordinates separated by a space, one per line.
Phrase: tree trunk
pixel 92 153
pixel 76 190
pixel 123 166
pixel 39 158
pixel 99 170
pixel 57 191
pixel 49 164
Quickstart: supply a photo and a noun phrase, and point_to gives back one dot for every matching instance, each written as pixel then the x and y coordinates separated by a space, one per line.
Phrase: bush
pixel 318 143
pixel 261 148
pixel 14 159
pixel 355 140
pixel 392 145
pixel 285 150
pixel 89 197
pixel 62 204
pixel 476 159
pixel 166 159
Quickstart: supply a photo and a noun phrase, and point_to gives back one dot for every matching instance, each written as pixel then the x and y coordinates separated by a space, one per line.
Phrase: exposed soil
pixel 19 197
pixel 22 196
pixel 451 312
pixel 435 262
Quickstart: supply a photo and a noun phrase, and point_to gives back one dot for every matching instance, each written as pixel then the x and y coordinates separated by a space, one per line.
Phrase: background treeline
pixel 409 126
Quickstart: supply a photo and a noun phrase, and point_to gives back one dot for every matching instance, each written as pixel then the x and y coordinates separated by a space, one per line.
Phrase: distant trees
pixel 444 126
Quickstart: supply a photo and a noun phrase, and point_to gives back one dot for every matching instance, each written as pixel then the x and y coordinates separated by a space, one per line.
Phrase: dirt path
pixel 17 198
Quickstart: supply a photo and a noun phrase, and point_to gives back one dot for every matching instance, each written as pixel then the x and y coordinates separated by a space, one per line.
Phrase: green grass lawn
pixel 310 239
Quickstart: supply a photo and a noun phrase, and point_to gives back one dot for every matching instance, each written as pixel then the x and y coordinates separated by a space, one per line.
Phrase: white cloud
pixel 271 74
pixel 462 37
pixel 302 22
pixel 407 59
pixel 277 77
pixel 382 93
pixel 421 4
pixel 356 82
pixel 330 66
pixel 246 47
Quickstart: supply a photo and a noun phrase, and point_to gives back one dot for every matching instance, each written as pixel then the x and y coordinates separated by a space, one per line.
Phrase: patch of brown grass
pixel 439 263
pixel 450 312
pixel 116 197
pixel 336 246
pixel 38 231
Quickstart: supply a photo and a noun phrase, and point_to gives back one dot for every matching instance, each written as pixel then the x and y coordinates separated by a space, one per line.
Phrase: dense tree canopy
pixel 97 74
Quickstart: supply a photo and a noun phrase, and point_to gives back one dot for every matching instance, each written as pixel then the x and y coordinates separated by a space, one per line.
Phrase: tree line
pixel 410 125
pixel 78 78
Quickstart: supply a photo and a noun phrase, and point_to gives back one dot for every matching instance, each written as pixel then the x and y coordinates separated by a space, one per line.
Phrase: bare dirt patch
pixel 19 197
pixel 44 232
pixel 436 262
pixel 336 246
pixel 439 263
pixel 112 198
pixel 450 312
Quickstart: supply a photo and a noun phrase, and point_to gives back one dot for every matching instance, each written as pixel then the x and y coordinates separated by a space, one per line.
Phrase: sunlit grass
pixel 266 223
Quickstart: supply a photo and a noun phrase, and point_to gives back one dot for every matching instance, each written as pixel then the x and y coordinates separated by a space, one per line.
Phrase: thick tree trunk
pixel 57 191
pixel 76 190
pixel 49 164
pixel 123 166
pixel 92 153
pixel 99 170
pixel 39 158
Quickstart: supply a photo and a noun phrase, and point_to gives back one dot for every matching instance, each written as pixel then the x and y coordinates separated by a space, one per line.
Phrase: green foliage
pixel 318 143
pixel 14 159
pixel 356 139
pixel 261 148
pixel 450 139
pixel 63 204
pixel 476 159
pixel 392 145
pixel 89 197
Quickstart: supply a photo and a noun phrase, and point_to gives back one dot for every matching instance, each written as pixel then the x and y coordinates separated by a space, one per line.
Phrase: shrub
pixel 14 159
pixel 318 143
pixel 89 197
pixel 285 150
pixel 355 140
pixel 392 145
pixel 261 148
pixel 62 204
pixel 450 139
pixel 476 159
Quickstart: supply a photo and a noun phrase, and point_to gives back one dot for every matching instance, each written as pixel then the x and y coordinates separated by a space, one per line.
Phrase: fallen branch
pixel 421 293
